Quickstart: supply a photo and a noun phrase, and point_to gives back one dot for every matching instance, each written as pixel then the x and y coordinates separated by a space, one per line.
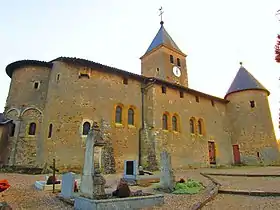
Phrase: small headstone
pixel 67 188
pixel 130 169
pixel 167 178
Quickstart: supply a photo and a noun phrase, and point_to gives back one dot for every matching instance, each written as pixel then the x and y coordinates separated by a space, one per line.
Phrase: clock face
pixel 176 71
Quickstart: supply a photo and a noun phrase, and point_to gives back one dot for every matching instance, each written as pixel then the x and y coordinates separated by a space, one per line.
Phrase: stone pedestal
pixel 98 185
pixel 167 178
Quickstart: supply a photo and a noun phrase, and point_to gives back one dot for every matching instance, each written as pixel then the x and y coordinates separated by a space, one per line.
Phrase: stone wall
pixel 73 100
pixel 252 128
pixel 185 148
pixel 25 104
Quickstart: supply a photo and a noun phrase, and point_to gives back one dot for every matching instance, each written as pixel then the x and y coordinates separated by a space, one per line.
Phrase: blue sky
pixel 216 35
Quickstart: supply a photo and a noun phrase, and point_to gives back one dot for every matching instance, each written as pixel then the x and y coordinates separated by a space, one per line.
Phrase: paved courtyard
pixel 22 194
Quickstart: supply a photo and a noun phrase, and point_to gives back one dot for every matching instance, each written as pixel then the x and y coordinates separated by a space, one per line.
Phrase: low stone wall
pixel 139 202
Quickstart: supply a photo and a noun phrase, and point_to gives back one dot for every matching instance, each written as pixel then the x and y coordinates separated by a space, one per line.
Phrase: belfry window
pixel 171 59
pixel 178 62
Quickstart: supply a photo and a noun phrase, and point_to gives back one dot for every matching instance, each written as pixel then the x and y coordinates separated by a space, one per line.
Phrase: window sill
pixel 166 131
pixel 30 136
pixel 131 126
pixel 176 132
pixel 192 134
pixel 119 125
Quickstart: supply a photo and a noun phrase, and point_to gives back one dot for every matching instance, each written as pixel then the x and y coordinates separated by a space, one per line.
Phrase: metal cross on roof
pixel 160 13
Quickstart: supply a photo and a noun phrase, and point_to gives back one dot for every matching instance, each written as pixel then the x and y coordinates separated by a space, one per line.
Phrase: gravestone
pixel 167 178
pixel 130 169
pixel 67 188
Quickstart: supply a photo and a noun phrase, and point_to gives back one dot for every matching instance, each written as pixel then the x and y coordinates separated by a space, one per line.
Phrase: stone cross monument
pixel 92 183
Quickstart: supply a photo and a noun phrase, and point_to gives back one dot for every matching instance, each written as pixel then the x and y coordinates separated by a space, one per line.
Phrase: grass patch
pixel 189 187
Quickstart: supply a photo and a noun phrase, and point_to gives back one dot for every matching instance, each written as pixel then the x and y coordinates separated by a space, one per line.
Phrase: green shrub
pixel 189 187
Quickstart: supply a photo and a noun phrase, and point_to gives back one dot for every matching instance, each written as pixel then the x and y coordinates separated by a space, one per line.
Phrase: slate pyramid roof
pixel 162 37
pixel 245 81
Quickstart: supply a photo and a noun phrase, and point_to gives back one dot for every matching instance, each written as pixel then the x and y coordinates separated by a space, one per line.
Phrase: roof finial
pixel 240 63
pixel 160 14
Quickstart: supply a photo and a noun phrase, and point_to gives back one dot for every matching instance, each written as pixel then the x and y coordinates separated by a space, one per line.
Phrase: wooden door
pixel 236 154
pixel 212 152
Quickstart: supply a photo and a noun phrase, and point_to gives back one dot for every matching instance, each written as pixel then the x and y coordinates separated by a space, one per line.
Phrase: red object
pixel 277 49
pixel 236 154
pixel 4 185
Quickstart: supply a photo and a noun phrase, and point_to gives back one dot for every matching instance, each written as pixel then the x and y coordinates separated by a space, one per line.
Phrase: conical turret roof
pixel 162 37
pixel 245 81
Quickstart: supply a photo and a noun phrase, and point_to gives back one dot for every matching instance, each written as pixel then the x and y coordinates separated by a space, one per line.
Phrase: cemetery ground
pixel 23 195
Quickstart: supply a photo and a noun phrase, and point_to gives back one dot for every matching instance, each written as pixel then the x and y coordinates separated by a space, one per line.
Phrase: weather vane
pixel 160 14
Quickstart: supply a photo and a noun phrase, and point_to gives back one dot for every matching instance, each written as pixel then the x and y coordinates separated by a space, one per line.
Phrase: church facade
pixel 54 104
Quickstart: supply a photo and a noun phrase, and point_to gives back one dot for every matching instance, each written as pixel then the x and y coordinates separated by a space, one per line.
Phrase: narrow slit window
pixel 212 103
pixel 32 129
pixel 181 94
pixel 197 99
pixel 50 131
pixel 252 104
pixel 36 85
pixel 57 77
pixel 199 127
pixel 125 81
pixel 164 122
pixel 12 129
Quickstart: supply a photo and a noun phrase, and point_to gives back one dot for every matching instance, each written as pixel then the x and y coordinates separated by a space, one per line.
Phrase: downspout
pixel 142 125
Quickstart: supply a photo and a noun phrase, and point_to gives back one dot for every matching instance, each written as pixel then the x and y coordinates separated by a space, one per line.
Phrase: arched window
pixel 50 131
pixel 174 123
pixel 130 116
pixel 118 117
pixel 164 122
pixel 192 125
pixel 32 129
pixel 199 126
pixel 12 129
pixel 86 128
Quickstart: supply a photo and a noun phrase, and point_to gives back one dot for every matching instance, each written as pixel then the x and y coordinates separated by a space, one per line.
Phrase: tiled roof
pixel 162 38
pixel 245 81
pixel 3 119
pixel 101 67
pixel 18 64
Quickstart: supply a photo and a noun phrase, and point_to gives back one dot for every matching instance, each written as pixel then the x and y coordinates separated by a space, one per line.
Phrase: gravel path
pixel 236 202
pixel 23 195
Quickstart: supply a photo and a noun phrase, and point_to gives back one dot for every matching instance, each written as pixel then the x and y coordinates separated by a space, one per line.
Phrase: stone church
pixel 53 104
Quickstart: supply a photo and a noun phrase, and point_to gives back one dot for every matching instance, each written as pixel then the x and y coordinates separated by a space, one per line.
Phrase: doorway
pixel 212 152
pixel 236 154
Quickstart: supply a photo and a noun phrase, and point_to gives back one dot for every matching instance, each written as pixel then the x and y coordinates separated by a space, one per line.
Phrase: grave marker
pixel 67 188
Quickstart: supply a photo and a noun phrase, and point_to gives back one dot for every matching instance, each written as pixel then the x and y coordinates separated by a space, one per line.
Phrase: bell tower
pixel 164 60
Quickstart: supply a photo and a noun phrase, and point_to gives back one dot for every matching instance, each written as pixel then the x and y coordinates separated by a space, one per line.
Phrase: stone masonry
pixel 63 94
